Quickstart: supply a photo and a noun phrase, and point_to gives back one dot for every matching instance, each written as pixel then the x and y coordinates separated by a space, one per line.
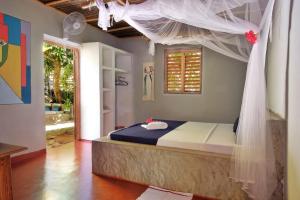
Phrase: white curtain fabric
pixel 221 26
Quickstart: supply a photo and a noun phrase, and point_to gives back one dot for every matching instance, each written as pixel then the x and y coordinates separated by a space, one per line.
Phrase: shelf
pixel 106 90
pixel 105 63
pixel 106 68
pixel 105 111
pixel 121 70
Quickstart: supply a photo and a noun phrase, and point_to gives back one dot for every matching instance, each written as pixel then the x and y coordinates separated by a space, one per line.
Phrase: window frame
pixel 187 49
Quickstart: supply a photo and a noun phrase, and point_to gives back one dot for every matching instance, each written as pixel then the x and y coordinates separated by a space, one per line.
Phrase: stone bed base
pixel 200 173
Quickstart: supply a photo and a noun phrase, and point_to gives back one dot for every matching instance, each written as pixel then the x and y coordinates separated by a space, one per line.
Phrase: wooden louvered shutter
pixel 183 71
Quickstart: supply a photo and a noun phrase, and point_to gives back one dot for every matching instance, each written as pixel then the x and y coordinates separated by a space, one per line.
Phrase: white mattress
pixel 210 137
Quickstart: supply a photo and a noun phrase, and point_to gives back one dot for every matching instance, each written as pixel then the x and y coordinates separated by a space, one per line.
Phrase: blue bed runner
pixel 138 134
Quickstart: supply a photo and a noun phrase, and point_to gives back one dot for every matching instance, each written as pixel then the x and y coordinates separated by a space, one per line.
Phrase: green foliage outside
pixel 58 64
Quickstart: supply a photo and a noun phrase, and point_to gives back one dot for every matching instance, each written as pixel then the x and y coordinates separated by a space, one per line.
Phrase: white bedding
pixel 210 137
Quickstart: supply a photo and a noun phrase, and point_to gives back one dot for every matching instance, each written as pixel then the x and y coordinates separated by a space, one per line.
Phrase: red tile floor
pixel 65 174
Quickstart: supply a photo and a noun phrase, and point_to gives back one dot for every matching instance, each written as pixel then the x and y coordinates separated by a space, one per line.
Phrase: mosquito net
pixel 236 28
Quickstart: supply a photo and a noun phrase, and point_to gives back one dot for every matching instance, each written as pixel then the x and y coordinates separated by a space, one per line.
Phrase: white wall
pixel 277 58
pixel 294 106
pixel 222 89
pixel 24 124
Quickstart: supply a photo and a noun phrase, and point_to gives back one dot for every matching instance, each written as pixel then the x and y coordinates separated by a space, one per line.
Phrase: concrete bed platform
pixel 201 173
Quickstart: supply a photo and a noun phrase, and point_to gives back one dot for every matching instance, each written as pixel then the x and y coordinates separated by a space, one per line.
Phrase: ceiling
pixel 119 29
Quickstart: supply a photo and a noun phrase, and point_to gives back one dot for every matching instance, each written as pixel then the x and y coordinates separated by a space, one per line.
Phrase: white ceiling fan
pixel 73 24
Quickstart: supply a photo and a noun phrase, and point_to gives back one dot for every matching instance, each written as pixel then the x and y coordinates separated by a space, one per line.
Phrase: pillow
pixel 236 124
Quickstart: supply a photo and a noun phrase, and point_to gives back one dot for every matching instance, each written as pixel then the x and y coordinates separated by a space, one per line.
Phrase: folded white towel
pixel 156 125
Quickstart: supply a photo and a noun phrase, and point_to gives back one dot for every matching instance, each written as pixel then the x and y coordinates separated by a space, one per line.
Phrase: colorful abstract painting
pixel 15 69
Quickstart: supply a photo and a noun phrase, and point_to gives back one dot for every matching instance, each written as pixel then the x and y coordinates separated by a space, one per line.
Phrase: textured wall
pixel 220 101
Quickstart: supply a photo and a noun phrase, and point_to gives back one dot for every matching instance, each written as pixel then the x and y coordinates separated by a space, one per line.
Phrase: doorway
pixel 61 93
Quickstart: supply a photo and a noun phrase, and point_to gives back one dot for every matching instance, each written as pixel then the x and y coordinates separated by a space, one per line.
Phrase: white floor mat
pixel 161 194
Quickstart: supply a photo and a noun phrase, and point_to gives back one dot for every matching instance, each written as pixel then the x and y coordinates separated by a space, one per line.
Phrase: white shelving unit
pixel 100 64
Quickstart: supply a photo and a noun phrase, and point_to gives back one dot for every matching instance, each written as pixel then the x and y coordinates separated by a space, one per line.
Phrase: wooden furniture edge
pixel 8 149
pixel 27 156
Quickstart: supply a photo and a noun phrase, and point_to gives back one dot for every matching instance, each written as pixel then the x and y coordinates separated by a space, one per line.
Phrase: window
pixel 183 71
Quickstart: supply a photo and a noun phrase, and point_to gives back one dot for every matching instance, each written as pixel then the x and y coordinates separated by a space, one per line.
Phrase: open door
pixel 62 92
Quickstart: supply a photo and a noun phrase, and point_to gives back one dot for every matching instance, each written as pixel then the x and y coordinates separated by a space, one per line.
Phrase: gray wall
pixel 24 124
pixel 220 101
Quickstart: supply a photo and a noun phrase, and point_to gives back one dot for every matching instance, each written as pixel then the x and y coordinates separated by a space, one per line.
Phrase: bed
pixel 197 163
pixel 190 157
pixel 208 137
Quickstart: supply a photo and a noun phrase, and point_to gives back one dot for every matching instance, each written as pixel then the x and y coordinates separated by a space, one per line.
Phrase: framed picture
pixel 15 67
pixel 148 81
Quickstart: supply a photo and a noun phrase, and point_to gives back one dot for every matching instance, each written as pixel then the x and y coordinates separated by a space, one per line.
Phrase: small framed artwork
pixel 148 81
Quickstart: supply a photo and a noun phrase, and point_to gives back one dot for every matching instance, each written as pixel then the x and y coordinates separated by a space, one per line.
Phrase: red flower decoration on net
pixel 149 120
pixel 251 37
